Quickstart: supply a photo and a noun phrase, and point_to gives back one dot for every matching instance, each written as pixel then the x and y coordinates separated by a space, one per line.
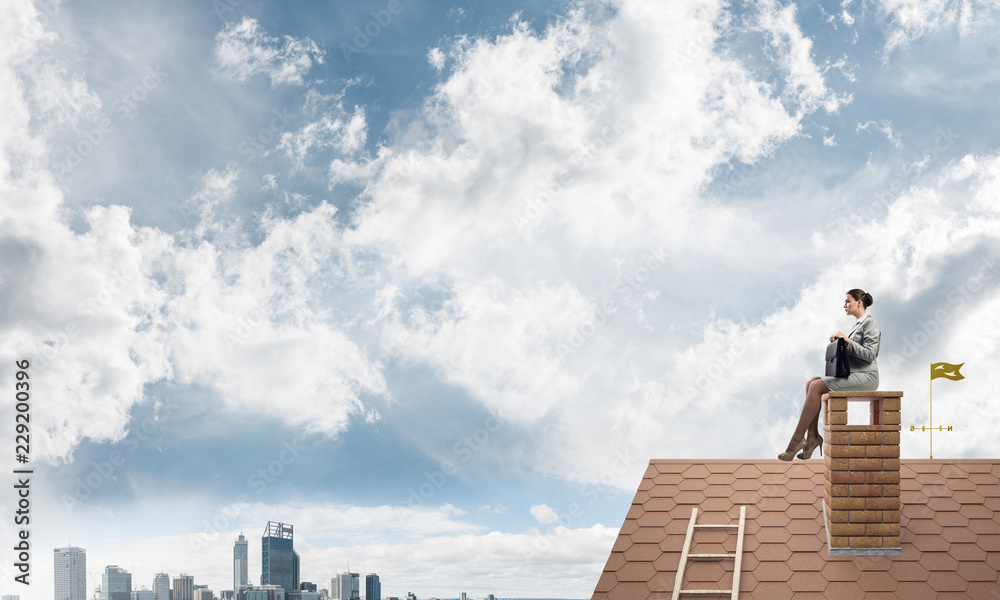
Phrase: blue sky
pixel 436 293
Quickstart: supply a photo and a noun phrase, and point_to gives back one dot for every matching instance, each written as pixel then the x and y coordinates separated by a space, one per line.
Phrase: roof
pixel 949 517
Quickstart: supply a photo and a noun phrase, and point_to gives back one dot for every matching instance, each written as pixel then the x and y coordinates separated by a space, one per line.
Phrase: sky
pixel 433 282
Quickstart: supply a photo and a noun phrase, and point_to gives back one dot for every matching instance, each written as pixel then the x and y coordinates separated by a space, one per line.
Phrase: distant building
pixel 116 584
pixel 10 597
pixel 203 594
pixel 241 577
pixel 227 595
pixel 183 588
pixel 411 596
pixel 262 592
pixel 373 588
pixel 70 573
pixel 143 594
pixel 279 561
pixel 161 586
pixel 307 586
pixel 346 586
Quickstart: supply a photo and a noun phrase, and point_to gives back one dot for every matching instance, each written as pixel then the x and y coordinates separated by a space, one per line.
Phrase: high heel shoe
pixel 788 455
pixel 808 452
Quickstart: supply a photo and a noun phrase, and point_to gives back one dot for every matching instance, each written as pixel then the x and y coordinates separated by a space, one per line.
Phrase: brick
pixel 890 516
pixel 848 529
pixel 865 464
pixel 849 477
pixel 879 477
pixel 836 464
pixel 891 491
pixel 837 404
pixel 890 437
pixel 891 418
pixel 883 451
pixel 882 529
pixel 837 418
pixel 891 403
pixel 865 516
pixel 840 490
pixel 838 516
pixel 844 503
pixel 864 490
pixel 883 504
pixel 839 541
pixel 890 464
pixel 839 437
pixel 890 541
pixel 845 451
pixel 865 542
pixel 865 437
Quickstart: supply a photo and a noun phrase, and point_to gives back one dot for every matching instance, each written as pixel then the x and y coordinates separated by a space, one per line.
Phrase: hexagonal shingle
pixel 806 581
pixel 747 472
pixel 696 471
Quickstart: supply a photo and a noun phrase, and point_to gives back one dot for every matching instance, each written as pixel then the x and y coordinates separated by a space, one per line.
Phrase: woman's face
pixel 853 307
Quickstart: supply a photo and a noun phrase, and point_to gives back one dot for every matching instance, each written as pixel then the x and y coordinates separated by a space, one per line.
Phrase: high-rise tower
pixel 278 558
pixel 116 584
pixel 240 575
pixel 161 586
pixel 373 588
pixel 70 573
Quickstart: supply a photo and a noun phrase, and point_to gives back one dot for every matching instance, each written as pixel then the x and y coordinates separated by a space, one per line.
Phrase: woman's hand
pixel 840 334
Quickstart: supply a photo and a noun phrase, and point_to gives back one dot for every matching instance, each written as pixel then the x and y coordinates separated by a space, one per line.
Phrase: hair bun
pixel 867 299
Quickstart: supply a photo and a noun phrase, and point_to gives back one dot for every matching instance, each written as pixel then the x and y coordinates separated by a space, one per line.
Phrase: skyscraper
pixel 373 588
pixel 241 577
pixel 183 587
pixel 161 586
pixel 278 557
pixel 116 584
pixel 345 587
pixel 70 573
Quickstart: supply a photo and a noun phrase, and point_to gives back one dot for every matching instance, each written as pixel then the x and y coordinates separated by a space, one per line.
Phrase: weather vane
pixel 948 371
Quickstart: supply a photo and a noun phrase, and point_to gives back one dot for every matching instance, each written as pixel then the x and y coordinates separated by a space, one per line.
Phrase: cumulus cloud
pixel 545 514
pixel 244 49
pixel 104 310
pixel 548 203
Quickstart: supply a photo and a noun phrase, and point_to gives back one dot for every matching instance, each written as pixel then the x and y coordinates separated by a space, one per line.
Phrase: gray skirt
pixel 863 381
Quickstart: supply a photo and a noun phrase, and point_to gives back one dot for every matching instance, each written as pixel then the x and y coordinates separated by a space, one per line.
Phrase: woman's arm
pixel 867 349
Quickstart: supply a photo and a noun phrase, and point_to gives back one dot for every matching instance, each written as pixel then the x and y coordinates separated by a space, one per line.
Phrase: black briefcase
pixel 836 359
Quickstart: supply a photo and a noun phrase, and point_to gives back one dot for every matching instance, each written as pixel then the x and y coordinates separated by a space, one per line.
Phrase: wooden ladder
pixel 685 555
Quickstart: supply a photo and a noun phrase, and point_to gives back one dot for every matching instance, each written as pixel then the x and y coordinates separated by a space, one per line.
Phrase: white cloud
pixel 344 132
pixel 545 514
pixel 884 127
pixel 107 310
pixel 244 49
pixel 544 172
pixel 909 20
pixel 436 58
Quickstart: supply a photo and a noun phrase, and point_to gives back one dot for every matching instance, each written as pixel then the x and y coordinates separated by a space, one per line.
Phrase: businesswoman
pixel 862 348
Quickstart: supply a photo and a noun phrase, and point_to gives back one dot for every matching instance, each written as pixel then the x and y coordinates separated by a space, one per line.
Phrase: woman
pixel 862 348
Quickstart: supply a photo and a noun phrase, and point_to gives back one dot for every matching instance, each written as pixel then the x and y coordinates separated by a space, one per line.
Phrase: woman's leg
pixel 809 420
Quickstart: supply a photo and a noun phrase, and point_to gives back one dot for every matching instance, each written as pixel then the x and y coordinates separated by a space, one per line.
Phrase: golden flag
pixel 946 370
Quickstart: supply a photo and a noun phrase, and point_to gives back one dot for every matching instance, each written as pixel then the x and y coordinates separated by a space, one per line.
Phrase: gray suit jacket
pixel 863 348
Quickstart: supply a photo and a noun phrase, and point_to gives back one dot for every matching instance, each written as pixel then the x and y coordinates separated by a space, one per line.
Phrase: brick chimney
pixel 861 504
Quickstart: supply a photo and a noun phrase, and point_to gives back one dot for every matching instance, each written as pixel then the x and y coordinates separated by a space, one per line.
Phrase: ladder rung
pixel 706 592
pixel 719 526
pixel 711 556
